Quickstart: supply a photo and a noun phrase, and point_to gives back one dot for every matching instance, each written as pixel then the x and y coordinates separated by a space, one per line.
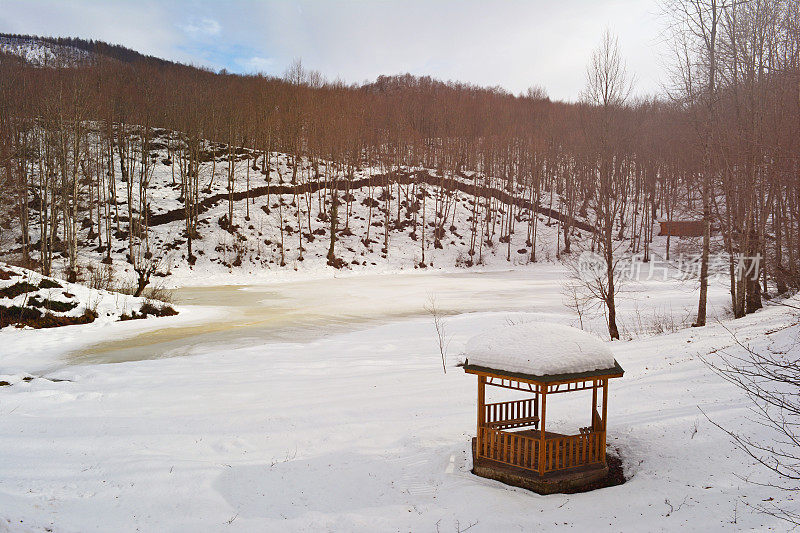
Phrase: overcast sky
pixel 513 44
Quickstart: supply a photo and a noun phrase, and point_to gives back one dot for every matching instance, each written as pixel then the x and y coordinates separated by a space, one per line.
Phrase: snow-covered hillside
pixel 28 299
pixel 255 245
pixel 42 53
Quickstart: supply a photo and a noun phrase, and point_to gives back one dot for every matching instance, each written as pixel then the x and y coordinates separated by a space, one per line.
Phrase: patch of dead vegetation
pixel 32 317
pixel 20 287
pixel 149 309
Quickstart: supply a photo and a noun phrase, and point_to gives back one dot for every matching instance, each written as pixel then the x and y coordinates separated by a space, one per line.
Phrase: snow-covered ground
pixel 323 406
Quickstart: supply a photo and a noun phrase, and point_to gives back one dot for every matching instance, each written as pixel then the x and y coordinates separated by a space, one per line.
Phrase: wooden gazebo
pixel 512 444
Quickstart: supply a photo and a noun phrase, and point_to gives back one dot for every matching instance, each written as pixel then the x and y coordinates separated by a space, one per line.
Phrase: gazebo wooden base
pixel 571 480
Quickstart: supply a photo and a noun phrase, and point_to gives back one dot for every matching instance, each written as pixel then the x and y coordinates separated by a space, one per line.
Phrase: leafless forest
pixel 721 145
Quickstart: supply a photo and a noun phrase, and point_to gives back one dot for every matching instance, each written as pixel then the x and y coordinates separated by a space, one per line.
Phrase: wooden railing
pixel 505 415
pixel 523 451
pixel 571 451
pixel 507 447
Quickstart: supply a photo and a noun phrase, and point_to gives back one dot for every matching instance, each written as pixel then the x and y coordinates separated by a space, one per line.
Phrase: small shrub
pixel 158 292
pixel 167 310
pixel 127 288
pixel 102 278
pixel 52 321
pixel 91 305
pixel 151 292
pixel 149 309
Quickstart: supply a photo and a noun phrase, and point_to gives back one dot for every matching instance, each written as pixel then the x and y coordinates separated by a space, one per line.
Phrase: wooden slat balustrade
pixel 514 414
pixel 573 450
pixel 507 447
pixel 560 452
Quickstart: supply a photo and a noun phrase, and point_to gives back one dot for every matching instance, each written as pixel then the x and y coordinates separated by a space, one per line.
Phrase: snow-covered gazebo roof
pixel 540 351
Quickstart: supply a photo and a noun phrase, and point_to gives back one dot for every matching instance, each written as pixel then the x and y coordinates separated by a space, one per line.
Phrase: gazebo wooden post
pixel 605 412
pixel 479 444
pixel 542 437
pixel 594 404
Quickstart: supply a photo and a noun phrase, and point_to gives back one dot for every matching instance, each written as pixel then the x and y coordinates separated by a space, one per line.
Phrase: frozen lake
pixel 306 310
pixel 302 311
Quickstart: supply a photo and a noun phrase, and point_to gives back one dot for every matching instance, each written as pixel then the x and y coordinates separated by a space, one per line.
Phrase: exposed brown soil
pixel 32 317
pixel 28 379
pixel 21 287
pixel 49 284
pixel 52 305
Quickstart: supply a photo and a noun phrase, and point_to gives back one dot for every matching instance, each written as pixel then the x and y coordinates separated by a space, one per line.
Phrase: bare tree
pixel 607 88
pixel 771 380
pixel 696 27
pixel 441 332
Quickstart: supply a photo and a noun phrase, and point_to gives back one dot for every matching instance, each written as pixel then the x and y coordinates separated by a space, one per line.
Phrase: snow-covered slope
pixel 28 299
pixel 42 53
pixel 253 244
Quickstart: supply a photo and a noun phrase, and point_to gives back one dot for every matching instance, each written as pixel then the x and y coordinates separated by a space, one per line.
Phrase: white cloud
pixel 257 64
pixel 513 44
pixel 203 27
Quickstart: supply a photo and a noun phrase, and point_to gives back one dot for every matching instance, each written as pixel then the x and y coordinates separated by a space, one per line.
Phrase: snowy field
pixel 321 405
